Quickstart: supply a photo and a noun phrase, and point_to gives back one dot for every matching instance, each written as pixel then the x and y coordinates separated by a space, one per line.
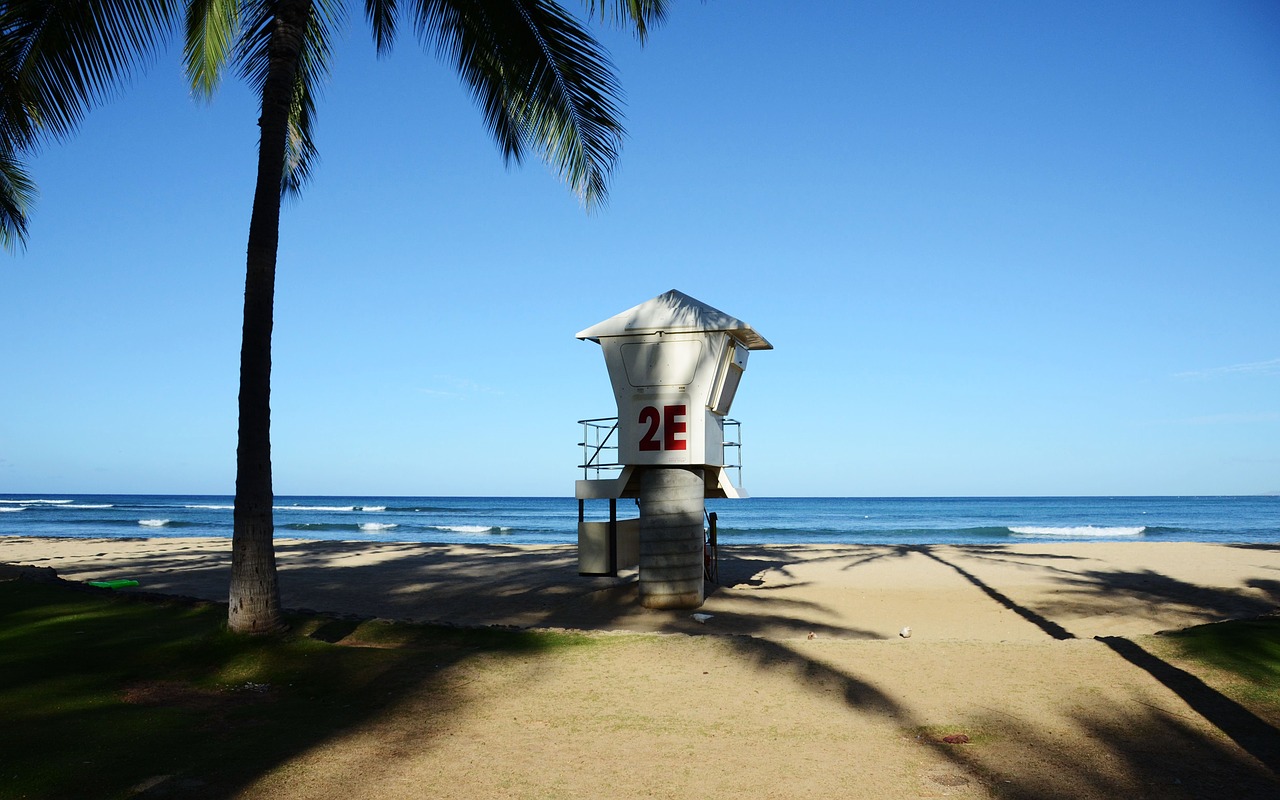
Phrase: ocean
pixel 759 520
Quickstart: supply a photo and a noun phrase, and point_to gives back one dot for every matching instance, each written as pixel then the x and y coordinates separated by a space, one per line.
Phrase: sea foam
pixel 315 508
pixel 153 523
pixel 1080 531
pixel 470 528
pixel 377 526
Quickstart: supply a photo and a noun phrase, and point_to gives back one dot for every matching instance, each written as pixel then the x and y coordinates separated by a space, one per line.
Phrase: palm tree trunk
pixel 255 591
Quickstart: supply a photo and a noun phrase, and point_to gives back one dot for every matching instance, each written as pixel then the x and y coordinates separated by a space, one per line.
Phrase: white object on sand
pixel 701 618
pixel 905 633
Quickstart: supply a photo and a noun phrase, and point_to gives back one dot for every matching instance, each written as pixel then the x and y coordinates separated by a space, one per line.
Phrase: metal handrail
pixel 594 444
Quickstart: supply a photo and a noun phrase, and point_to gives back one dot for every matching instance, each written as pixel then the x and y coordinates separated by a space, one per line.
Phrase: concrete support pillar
pixel 671 544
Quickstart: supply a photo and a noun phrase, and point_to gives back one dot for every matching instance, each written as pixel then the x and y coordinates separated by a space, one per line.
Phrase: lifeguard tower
pixel 675 364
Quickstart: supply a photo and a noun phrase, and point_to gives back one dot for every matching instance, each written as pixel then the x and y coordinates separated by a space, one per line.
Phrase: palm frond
pixel 382 16
pixel 300 151
pixel 17 194
pixel 643 14
pixel 77 53
pixel 254 57
pixel 59 58
pixel 251 53
pixel 540 79
pixel 18 122
pixel 212 29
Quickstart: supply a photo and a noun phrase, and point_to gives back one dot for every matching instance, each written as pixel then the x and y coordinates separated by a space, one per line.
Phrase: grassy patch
pixel 950 734
pixel 103 695
pixel 1242 655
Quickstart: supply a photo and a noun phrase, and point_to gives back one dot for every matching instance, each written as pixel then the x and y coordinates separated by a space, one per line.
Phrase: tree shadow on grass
pixel 111 695
pixel 1254 735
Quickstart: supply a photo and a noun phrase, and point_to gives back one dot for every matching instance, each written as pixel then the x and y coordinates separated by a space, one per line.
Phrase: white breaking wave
pixel 1080 531
pixel 7 508
pixel 38 502
pixel 214 508
pixel 314 508
pixel 153 523
pixel 377 526
pixel 371 508
pixel 87 505
pixel 469 528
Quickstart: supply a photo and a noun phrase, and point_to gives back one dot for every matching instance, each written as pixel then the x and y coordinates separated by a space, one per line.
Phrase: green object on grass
pixel 118 583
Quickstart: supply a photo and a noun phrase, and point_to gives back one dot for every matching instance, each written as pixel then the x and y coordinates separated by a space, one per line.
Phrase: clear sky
pixel 1001 248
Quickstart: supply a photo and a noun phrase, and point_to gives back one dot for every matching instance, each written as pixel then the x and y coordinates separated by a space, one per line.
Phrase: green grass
pixel 101 693
pixel 1242 655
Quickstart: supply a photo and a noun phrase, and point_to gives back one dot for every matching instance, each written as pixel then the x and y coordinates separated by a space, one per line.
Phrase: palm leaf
pixel 540 79
pixel 212 29
pixel 252 54
pixel 382 16
pixel 77 53
pixel 641 13
pixel 59 58
pixel 17 193
pixel 300 153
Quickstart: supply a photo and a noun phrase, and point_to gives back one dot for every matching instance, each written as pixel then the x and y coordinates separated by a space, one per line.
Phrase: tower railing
pixel 600 448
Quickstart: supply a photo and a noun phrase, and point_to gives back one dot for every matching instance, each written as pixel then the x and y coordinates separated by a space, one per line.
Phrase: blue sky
pixel 1000 249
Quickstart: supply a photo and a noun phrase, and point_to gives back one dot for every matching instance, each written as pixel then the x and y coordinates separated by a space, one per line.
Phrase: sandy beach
pixel 798 684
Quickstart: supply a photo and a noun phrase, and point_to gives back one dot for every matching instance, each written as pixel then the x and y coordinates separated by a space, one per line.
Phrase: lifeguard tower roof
pixel 675 312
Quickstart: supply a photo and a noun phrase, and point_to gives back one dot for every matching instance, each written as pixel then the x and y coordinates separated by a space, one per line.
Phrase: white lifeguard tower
pixel 675 364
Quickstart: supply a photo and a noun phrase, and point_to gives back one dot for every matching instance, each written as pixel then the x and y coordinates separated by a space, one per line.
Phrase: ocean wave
pixel 316 508
pixel 470 529
pixel 213 508
pixel 371 508
pixel 377 526
pixel 1079 531
pixel 154 523
pixel 18 505
pixel 862 535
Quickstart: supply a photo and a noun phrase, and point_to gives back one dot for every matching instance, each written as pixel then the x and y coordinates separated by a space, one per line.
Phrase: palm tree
pixel 539 77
